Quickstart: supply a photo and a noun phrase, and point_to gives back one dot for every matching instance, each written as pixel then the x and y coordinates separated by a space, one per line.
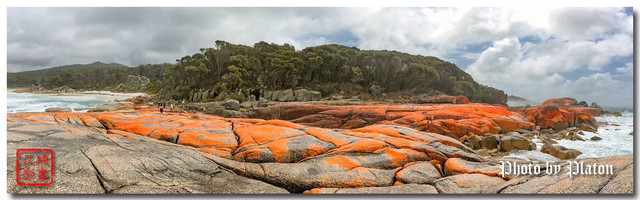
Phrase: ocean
pixel 28 102
pixel 615 139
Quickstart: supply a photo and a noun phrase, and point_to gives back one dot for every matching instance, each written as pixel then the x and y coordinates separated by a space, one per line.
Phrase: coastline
pixel 300 148
pixel 103 94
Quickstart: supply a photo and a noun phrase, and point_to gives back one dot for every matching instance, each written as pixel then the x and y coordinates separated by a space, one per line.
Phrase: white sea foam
pixel 29 102
pixel 615 141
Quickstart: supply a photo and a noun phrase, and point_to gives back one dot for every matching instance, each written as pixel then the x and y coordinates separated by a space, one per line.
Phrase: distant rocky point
pixel 41 90
pixel 514 98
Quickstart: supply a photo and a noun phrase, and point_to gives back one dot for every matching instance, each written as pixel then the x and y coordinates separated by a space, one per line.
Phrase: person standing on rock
pixel 161 107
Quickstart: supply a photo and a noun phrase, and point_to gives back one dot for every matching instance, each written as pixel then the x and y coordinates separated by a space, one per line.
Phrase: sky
pixel 535 53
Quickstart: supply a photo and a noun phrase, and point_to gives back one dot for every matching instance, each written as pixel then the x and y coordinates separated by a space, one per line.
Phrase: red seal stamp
pixel 34 166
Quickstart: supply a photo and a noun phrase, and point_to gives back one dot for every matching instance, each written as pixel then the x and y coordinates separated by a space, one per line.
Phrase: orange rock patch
pixel 452 120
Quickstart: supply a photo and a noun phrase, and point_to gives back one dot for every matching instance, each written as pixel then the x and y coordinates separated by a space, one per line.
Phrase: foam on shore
pixel 30 102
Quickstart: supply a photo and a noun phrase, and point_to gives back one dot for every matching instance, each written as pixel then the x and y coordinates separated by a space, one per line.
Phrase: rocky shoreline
pixel 306 148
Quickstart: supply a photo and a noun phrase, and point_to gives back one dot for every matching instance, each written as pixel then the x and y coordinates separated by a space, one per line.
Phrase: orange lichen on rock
pixel 342 161
pixel 286 152
pixel 313 191
pixel 447 119
pixel 455 166
pixel 262 134
pixel 217 152
pixel 121 133
pixel 560 113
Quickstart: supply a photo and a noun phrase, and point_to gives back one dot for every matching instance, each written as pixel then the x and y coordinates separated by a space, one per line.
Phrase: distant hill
pixel 97 75
pixel 93 65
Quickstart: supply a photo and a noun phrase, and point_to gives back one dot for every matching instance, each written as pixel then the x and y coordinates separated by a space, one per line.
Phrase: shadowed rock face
pixel 455 121
pixel 146 152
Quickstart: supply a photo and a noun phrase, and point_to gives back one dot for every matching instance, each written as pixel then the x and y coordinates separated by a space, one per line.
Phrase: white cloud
pixel 587 23
pixel 627 69
pixel 577 41
pixel 537 50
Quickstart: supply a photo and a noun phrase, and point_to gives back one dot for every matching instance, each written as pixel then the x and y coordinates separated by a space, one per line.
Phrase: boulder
pixel 587 127
pixel 514 142
pixel 263 102
pixel 303 95
pixel 595 138
pixel 205 94
pixel 230 104
pixel 560 114
pixel 482 152
pixel 247 104
pixel 573 136
pixel 612 113
pixel 489 141
pixel 474 142
pixel 375 90
pixel 316 96
pixel 563 102
pixel 583 104
pixel 560 152
pixel 57 109
pixel 194 97
pixel 284 95
pixel 80 109
pixel 418 173
pixel 268 95
pixel 595 105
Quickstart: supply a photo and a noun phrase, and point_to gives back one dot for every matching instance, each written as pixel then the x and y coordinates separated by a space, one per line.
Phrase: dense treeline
pixel 233 69
pixel 96 75
pixel 230 68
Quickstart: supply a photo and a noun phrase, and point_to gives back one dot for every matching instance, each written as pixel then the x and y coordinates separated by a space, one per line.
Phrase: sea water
pixel 615 140
pixel 29 102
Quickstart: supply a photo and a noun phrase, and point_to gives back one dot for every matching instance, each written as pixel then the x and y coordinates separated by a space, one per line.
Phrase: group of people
pixel 161 106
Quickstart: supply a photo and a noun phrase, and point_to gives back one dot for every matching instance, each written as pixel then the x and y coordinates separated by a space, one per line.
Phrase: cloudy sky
pixel 536 53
